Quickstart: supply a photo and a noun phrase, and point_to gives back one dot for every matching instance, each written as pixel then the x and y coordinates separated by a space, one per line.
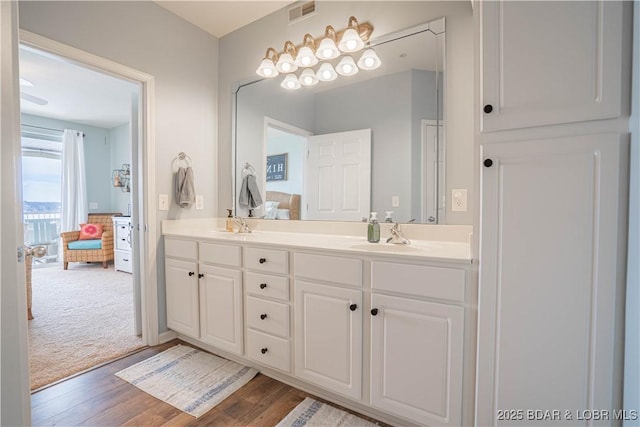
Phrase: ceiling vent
pixel 301 10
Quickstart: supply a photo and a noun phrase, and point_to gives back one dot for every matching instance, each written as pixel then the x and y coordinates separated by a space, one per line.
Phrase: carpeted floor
pixel 83 317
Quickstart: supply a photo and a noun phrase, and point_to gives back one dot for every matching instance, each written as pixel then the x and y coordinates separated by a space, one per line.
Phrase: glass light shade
pixel 326 73
pixel 327 49
pixel 286 64
pixel 267 69
pixel 308 78
pixel 290 82
pixel 350 41
pixel 306 57
pixel 347 67
pixel 369 60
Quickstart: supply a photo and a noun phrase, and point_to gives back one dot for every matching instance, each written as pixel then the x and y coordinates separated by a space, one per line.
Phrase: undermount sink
pixel 385 247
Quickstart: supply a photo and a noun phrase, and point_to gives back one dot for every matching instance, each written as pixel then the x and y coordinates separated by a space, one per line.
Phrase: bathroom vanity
pixel 384 329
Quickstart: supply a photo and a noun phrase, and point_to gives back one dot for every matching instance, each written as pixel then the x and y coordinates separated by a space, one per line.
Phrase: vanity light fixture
pixel 327 48
pixel 351 40
pixel 369 60
pixel 306 54
pixel 347 66
pixel 326 73
pixel 308 77
pixel 290 82
pixel 285 63
pixel 267 67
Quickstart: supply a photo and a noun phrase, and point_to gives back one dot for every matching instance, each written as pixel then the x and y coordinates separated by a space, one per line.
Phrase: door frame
pixel 143 213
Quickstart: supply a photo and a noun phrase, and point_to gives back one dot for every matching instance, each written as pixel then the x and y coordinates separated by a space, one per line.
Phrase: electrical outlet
pixel 163 202
pixel 395 201
pixel 199 202
pixel 459 200
pixel 93 205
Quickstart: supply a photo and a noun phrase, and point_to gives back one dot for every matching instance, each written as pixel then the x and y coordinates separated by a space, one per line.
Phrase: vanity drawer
pixel 221 254
pixel 421 280
pixel 346 271
pixel 123 261
pixel 269 350
pixel 267 260
pixel 268 316
pixel 181 248
pixel 263 285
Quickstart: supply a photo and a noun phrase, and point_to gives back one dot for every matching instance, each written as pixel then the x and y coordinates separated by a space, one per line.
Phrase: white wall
pixel 386 17
pixel 184 61
pixel 120 138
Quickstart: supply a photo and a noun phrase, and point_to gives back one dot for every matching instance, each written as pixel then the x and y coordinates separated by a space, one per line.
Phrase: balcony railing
pixel 43 229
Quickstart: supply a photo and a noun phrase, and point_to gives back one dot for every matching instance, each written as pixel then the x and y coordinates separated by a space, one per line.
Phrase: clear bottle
pixel 229 222
pixel 387 217
pixel 373 229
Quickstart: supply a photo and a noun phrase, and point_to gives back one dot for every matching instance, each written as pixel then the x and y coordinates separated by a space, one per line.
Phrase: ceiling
pixel 80 95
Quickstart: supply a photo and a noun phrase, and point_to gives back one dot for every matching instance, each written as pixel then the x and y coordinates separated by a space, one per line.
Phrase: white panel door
pixel 338 176
pixel 549 312
pixel 182 296
pixel 328 337
pixel 548 62
pixel 221 316
pixel 416 359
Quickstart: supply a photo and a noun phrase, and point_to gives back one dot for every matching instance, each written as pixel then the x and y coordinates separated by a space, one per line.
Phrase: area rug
pixel 312 413
pixel 83 317
pixel 188 379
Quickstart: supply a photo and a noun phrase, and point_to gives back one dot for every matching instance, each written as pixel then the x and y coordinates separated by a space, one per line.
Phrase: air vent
pixel 301 11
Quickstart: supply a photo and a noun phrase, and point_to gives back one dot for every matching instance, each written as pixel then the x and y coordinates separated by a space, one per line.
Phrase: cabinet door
pixel 551 281
pixel 548 62
pixel 182 296
pixel 221 308
pixel 416 359
pixel 328 338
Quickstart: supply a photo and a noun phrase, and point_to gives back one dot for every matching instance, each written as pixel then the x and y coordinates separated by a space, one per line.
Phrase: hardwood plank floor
pixel 99 398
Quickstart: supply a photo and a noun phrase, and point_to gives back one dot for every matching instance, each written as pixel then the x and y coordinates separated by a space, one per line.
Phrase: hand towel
pixel 249 192
pixel 185 191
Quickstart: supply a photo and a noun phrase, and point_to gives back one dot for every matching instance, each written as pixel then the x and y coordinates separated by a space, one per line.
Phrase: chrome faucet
pixel 397 236
pixel 243 227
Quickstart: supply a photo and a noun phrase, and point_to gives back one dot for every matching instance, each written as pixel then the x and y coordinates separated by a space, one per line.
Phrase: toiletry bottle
pixel 387 217
pixel 229 222
pixel 373 229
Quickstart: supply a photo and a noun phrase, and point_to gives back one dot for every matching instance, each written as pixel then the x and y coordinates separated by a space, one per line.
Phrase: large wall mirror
pixel 341 149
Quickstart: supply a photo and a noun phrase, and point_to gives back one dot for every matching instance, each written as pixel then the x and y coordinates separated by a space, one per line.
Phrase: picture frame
pixel 277 165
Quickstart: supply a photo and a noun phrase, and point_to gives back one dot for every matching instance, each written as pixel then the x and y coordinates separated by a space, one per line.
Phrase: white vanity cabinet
pixel 182 290
pixel 549 62
pixel 417 344
pixel 268 310
pixel 122 246
pixel 328 316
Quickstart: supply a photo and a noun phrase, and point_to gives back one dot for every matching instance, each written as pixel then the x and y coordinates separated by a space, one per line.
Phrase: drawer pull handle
pixel 488 108
pixel 200 275
pixel 262 260
pixel 488 163
pixel 374 311
pixel 263 316
pixel 264 350
pixel 263 285
pixel 191 273
pixel 125 260
pixel 353 307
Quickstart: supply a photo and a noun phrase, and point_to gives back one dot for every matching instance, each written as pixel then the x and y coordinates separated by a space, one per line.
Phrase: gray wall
pixel 96 149
pixel 184 62
pixel 120 138
pixel 386 17
pixel 294 146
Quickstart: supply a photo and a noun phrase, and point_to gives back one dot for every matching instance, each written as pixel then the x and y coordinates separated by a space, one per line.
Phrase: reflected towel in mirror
pixel 249 192
pixel 185 191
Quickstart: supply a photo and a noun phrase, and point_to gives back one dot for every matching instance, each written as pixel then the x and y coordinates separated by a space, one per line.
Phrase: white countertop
pixel 449 251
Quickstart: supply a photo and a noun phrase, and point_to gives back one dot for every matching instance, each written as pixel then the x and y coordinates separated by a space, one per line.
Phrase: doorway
pixel 86 315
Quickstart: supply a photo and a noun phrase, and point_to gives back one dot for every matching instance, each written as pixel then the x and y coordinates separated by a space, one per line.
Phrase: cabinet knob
pixel 488 163
pixel 191 273
pixel 263 316
pixel 263 285
pixel 262 260
pixel 374 311
pixel 264 350
pixel 353 307
pixel 200 275
pixel 488 108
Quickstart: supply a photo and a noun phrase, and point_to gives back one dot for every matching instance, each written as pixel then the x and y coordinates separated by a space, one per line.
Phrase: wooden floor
pixel 99 398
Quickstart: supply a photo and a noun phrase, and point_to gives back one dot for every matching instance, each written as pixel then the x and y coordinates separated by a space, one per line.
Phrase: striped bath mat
pixel 311 413
pixel 188 379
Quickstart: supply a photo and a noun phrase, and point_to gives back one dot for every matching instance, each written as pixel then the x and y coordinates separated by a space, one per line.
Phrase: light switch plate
pixel 93 205
pixel 199 202
pixel 395 201
pixel 459 200
pixel 163 202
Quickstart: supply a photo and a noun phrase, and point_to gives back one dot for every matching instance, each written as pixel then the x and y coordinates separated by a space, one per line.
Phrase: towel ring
pixel 248 170
pixel 182 160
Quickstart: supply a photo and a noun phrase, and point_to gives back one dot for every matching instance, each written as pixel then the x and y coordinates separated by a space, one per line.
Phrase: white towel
pixel 185 191
pixel 249 192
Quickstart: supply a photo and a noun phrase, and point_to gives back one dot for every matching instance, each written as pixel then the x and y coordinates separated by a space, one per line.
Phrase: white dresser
pixel 122 243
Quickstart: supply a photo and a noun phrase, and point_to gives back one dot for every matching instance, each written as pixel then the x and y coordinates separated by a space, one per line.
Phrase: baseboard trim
pixel 167 336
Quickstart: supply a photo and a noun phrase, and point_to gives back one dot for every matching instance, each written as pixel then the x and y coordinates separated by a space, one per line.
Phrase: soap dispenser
pixel 373 229
pixel 229 222
pixel 387 217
